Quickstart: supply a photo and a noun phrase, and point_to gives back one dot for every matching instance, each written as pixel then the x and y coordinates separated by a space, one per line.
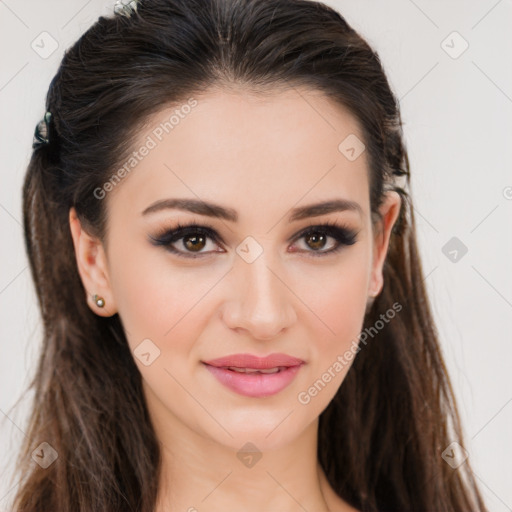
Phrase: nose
pixel 261 303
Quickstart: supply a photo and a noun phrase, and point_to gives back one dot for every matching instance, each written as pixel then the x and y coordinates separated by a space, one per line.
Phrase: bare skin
pixel 261 158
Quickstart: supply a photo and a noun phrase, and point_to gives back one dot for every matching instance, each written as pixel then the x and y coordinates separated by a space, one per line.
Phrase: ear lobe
pixel 389 211
pixel 92 266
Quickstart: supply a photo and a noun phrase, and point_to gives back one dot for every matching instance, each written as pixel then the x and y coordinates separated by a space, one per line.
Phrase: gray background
pixel 458 124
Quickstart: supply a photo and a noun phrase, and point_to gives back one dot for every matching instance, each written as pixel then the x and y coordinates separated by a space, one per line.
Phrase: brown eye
pixel 194 238
pixel 316 240
pixel 194 243
pixel 188 241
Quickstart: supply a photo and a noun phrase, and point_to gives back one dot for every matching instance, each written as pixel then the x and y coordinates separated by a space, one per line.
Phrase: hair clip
pixel 125 7
pixel 42 132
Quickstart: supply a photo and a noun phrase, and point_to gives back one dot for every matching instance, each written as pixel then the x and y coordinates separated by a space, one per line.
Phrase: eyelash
pixel 343 235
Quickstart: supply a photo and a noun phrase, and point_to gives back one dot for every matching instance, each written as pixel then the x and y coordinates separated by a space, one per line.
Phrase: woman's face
pixel 250 279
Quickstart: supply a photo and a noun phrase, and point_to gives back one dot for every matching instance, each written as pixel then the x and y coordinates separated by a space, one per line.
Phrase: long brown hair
pixel 382 436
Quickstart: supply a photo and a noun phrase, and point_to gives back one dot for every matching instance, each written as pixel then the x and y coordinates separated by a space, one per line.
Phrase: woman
pixel 222 241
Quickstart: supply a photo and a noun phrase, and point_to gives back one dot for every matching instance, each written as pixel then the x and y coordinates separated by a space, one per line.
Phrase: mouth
pixel 254 370
pixel 254 382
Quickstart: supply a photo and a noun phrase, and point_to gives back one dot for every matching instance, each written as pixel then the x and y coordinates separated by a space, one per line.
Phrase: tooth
pixel 270 370
pixel 241 370
pixel 252 370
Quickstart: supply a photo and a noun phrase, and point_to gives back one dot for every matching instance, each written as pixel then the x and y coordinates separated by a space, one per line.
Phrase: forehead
pixel 248 152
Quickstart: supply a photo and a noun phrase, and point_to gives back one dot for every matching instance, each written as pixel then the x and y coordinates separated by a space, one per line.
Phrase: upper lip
pixel 255 362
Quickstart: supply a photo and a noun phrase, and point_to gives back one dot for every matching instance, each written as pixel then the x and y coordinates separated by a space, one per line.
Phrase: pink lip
pixel 256 384
pixel 258 363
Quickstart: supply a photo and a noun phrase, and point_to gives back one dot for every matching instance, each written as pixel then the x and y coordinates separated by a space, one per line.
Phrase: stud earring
pixel 100 301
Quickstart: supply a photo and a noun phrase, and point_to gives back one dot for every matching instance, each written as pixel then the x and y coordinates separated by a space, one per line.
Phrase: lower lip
pixel 256 385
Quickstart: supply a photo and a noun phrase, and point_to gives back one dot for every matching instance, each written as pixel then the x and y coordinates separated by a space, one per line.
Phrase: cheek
pixel 343 303
pixel 338 295
pixel 156 300
pixel 336 299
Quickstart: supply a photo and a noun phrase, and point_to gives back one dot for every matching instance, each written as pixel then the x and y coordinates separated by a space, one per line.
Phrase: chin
pixel 267 430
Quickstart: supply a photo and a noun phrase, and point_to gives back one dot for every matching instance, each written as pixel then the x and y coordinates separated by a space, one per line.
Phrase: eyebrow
pixel 217 211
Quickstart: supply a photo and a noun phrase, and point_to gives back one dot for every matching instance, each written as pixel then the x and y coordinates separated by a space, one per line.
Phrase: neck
pixel 198 474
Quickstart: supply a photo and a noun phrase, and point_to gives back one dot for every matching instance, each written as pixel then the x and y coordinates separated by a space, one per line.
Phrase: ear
pixel 92 266
pixel 389 212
